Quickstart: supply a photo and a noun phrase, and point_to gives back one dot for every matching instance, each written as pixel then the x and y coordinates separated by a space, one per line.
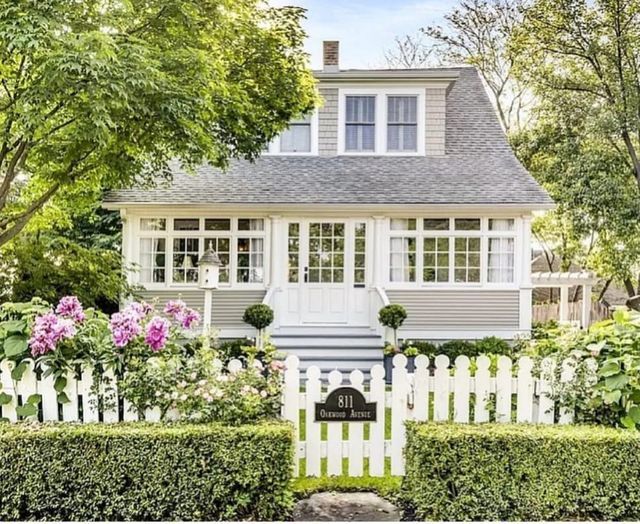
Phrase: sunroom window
pixel 402 123
pixel 360 124
pixel 152 260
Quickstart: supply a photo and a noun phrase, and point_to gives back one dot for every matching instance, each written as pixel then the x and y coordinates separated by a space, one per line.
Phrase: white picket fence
pixel 440 394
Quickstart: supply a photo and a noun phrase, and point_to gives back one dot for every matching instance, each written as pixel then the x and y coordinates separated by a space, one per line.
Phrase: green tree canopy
pixel 105 94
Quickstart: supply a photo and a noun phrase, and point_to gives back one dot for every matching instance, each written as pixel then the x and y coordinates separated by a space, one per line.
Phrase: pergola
pixel 564 281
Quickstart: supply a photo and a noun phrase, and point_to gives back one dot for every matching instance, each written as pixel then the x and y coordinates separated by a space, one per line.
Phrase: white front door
pixel 323 282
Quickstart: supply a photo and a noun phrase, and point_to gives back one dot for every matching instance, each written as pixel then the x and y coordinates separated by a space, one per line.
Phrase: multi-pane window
pixel 403 259
pixel 359 254
pixel 152 260
pixel 501 260
pixel 436 259
pixel 466 259
pixel 250 260
pixel 360 123
pixel 326 252
pixel 402 123
pixel 186 252
pixel 222 246
pixel 294 253
pixel 297 137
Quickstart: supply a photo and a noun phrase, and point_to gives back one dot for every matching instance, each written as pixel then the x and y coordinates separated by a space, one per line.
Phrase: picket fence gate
pixel 436 393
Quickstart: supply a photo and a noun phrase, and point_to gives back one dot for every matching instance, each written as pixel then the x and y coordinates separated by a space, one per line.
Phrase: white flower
pixel 263 394
pixel 202 382
pixel 183 397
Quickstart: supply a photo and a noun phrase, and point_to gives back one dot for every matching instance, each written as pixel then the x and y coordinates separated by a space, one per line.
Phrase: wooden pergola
pixel 565 281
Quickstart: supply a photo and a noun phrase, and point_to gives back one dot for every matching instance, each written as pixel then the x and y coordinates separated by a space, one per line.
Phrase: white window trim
pixel 233 234
pixel 381 95
pixel 484 234
pixel 274 145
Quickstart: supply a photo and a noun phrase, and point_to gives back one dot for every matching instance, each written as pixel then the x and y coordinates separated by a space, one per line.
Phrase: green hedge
pixel 143 471
pixel 522 472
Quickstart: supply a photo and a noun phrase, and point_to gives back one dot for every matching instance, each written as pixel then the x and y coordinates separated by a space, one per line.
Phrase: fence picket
pixel 313 391
pixel 291 404
pixel 462 379
pixel 28 386
pixel 70 410
pixel 566 375
pixel 524 409
pixel 356 432
pixel 546 405
pixel 376 429
pixel 8 409
pixel 503 390
pixel 421 388
pixel 49 397
pixel 109 391
pixel 399 393
pixel 441 389
pixel 334 432
pixel 89 399
pixel 482 389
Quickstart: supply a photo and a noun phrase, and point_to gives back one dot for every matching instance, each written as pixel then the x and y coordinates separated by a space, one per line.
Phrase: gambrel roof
pixel 479 167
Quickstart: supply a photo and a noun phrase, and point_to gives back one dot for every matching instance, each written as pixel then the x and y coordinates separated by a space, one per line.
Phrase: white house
pixel 401 188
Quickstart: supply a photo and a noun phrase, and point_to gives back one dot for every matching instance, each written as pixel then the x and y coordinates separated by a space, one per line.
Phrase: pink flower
pixel 179 311
pixel 189 318
pixel 138 310
pixel 48 330
pixel 157 333
pixel 124 326
pixel 173 308
pixel 71 307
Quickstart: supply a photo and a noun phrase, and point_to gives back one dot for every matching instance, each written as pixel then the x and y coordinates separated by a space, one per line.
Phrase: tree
pixel 476 33
pixel 582 57
pixel 105 94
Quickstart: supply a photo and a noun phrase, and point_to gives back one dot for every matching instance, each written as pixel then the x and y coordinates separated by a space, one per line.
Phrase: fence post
pixel 376 429
pixel 291 406
pixel 441 389
pixel 482 389
pixel 524 411
pixel 312 449
pixel 356 432
pixel 503 390
pixel 399 392
pixel 334 432
pixel 462 378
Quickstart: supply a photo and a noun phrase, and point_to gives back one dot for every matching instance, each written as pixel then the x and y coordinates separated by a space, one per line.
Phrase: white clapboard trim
pixel 334 432
pixel 399 394
pixel 291 400
pixel 441 394
pixel 109 391
pixel 462 383
pixel 546 405
pixel 421 388
pixel 376 429
pixel 49 397
pixel 312 449
pixel 503 390
pixel 482 389
pixel 566 375
pixel 356 432
pixel 524 410
pixel 28 386
pixel 8 387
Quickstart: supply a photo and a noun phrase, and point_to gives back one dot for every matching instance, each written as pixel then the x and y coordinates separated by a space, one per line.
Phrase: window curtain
pixel 500 260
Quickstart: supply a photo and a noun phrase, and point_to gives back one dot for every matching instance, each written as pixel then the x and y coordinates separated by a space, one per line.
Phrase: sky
pixel 365 28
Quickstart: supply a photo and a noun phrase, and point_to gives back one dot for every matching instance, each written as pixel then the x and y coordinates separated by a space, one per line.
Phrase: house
pixel 401 188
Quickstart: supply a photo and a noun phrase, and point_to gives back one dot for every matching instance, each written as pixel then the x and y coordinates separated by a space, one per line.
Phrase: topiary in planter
pixel 393 316
pixel 260 316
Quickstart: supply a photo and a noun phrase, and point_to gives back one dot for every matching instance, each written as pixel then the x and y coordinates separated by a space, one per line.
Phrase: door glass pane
pixel 359 254
pixel 326 252
pixel 294 253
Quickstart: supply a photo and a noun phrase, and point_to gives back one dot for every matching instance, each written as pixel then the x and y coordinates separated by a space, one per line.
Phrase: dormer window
pixel 297 138
pixel 360 123
pixel 402 123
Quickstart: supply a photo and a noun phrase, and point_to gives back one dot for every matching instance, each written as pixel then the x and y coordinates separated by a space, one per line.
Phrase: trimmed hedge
pixel 522 472
pixel 144 471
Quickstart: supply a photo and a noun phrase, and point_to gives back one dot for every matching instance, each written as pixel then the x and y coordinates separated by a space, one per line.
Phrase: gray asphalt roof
pixel 479 167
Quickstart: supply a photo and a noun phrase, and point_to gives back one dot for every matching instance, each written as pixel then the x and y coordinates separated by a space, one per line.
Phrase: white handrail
pixel 383 295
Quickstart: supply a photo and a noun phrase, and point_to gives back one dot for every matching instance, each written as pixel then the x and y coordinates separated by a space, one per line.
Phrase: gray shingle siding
pixel 478 167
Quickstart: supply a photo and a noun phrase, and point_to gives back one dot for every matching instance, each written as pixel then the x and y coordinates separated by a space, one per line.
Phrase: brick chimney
pixel 331 56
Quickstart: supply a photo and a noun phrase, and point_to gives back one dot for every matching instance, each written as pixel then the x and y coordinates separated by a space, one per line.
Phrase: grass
pixel 387 487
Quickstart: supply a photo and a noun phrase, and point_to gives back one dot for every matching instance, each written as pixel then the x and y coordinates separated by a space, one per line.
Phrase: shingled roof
pixel 479 167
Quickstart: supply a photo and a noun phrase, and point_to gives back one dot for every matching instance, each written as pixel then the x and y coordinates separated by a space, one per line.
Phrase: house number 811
pixel 345 401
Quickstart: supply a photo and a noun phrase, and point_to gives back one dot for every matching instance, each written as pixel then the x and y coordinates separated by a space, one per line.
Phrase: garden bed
pixel 144 471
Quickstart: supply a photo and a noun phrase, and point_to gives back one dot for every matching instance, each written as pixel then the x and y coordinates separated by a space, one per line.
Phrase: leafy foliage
pixel 392 316
pixel 259 316
pixel 99 94
pixel 145 472
pixel 521 472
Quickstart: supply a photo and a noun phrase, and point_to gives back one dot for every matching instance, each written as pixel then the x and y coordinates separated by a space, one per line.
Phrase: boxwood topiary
pixel 145 472
pixel 259 316
pixel 524 472
pixel 392 316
